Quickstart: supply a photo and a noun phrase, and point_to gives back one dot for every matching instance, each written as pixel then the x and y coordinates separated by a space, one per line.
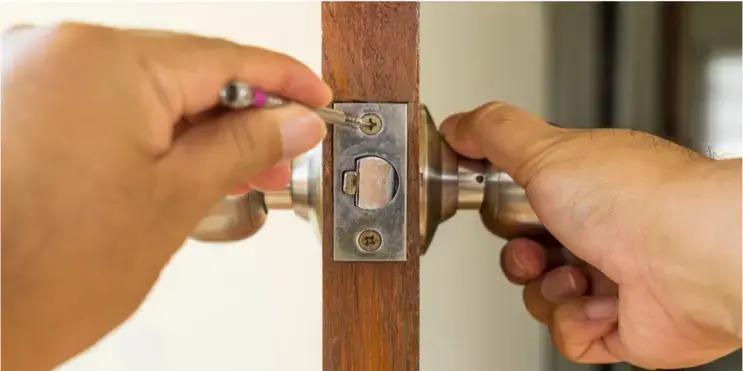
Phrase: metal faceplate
pixel 370 184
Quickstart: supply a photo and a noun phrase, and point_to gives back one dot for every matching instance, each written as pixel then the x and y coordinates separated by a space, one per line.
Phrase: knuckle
pixel 73 31
pixel 493 112
pixel 212 43
pixel 499 112
pixel 535 304
pixel 250 51
pixel 81 36
pixel 559 337
pixel 548 152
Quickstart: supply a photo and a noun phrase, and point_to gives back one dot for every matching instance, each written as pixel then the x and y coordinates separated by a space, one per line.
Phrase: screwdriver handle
pixel 239 95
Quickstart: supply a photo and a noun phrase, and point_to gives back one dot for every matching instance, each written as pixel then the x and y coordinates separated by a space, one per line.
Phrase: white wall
pixel 471 53
pixel 257 304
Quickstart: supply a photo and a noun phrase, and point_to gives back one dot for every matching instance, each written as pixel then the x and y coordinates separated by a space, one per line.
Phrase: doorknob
pixel 448 183
pixel 451 182
pixel 239 217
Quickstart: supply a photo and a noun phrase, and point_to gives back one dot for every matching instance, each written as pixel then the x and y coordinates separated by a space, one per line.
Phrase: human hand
pixel 652 272
pixel 112 153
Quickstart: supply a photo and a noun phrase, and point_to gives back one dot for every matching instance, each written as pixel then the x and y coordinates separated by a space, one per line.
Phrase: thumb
pixel 512 139
pixel 578 328
pixel 220 155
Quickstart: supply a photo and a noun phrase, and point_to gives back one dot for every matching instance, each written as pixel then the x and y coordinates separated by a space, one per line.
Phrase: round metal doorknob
pixel 235 218
pixel 448 183
pixel 239 217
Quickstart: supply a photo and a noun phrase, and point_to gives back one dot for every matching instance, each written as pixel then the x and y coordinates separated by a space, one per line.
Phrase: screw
pixel 373 124
pixel 369 240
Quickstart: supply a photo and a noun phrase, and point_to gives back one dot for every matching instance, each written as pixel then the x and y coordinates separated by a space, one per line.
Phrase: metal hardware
pixel 369 191
pixel 376 183
pixel 239 217
pixel 235 218
pixel 240 95
pixel 350 182
pixel 380 200
pixel 373 124
pixel 450 183
pixel 505 211
pixel 369 240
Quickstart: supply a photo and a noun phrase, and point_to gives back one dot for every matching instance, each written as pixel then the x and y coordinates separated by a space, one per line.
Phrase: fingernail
pixel 300 133
pixel 559 286
pixel 518 268
pixel 600 309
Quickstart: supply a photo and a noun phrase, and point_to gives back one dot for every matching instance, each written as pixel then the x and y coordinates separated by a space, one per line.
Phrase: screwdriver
pixel 239 95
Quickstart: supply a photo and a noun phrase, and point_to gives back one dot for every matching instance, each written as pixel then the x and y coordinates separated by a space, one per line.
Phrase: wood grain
pixel 370 310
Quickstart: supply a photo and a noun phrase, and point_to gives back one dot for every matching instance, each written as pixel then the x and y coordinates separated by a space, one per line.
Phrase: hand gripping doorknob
pixel 448 183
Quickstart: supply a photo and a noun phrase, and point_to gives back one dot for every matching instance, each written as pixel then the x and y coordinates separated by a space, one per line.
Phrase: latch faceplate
pixel 370 184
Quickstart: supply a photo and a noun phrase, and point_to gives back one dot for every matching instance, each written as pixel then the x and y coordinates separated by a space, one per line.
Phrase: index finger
pixel 189 71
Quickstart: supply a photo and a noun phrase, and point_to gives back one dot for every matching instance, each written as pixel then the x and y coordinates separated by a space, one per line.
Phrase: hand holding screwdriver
pixel 239 95
pixel 98 196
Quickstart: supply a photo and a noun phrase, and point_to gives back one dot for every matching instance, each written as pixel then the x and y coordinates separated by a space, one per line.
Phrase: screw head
pixel 369 240
pixel 373 124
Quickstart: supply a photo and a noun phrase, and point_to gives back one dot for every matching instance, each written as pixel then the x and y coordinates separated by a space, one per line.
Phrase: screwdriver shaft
pixel 238 95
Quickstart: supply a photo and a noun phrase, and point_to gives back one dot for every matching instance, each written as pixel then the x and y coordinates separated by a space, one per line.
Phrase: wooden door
pixel 370 309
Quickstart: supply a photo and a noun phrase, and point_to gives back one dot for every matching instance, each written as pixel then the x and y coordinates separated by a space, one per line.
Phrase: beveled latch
pixel 369 184
pixel 370 174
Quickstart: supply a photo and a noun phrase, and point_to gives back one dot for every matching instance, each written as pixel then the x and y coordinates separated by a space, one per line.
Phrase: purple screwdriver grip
pixel 259 98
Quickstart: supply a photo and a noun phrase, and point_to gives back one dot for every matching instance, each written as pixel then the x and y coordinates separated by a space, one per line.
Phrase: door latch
pixel 369 190
pixel 370 224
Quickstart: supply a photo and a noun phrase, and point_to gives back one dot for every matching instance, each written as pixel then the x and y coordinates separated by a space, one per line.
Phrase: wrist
pixel 721 191
pixel 699 221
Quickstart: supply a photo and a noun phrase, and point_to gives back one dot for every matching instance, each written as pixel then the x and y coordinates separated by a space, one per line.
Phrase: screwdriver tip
pixel 358 121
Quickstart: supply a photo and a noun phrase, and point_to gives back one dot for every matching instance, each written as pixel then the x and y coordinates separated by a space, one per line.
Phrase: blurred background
pixel 672 69
pixel 669 68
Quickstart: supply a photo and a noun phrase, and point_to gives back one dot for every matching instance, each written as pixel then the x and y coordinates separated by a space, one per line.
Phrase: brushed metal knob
pixel 448 182
pixel 239 217
pixel 235 218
